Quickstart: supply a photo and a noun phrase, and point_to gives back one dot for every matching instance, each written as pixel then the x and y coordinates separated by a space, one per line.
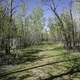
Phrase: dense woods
pixel 33 39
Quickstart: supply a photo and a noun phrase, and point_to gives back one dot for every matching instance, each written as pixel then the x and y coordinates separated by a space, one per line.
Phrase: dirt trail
pixel 50 62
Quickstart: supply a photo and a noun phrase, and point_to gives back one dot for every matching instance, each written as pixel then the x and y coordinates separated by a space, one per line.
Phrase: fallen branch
pixel 70 72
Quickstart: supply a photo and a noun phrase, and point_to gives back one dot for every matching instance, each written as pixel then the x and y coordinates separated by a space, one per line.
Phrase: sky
pixel 31 4
pixel 47 12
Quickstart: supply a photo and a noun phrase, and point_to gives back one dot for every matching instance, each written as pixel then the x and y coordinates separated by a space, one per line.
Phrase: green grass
pixel 34 57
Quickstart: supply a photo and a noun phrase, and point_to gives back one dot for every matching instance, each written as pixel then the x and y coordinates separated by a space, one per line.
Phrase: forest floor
pixel 37 63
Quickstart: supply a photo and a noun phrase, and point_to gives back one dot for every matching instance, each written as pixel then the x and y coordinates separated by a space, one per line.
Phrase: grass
pixel 35 56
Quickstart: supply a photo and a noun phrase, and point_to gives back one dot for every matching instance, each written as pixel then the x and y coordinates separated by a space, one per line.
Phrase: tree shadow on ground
pixel 12 77
pixel 70 74
pixel 2 71
pixel 14 59
pixel 23 57
pixel 72 70
pixel 58 48
pixel 24 76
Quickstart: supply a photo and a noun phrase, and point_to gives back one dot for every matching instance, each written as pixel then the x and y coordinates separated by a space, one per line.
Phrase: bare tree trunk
pixel 73 32
pixel 7 49
pixel 53 8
